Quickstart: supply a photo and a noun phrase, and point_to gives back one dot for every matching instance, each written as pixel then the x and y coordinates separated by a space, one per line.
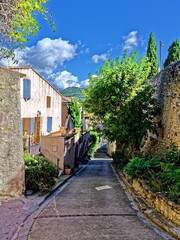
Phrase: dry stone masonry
pixel 167 91
pixel 11 145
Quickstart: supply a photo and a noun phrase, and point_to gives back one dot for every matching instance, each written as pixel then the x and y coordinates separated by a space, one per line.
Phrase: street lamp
pixel 160 55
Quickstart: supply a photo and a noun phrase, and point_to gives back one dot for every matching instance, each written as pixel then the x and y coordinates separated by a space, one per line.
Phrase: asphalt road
pixel 93 206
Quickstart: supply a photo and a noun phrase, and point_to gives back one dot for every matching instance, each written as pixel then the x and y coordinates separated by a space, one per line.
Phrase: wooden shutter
pixel 26 88
pixel 49 124
pixel 48 101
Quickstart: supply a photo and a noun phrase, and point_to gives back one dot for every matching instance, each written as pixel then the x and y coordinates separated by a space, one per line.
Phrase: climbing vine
pixel 75 113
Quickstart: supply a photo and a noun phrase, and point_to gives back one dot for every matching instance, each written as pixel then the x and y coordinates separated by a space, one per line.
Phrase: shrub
pixel 94 143
pixel 39 173
pixel 137 167
pixel 172 155
pixel 161 173
pixel 120 159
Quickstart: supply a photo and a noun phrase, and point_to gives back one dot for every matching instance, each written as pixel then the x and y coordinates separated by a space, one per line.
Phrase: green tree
pixel 120 99
pixel 173 53
pixel 20 23
pixel 136 118
pixel 152 56
pixel 116 82
pixel 75 113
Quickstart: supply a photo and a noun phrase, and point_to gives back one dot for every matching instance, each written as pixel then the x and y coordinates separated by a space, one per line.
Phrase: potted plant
pixel 67 169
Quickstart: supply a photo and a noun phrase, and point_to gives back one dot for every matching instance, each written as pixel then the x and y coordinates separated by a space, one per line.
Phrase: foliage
pixel 120 99
pixel 120 158
pixel 75 113
pixel 116 83
pixel 152 55
pixel 22 23
pixel 94 143
pixel 137 167
pixel 161 172
pixel 39 172
pixel 73 92
pixel 70 135
pixel 135 118
pixel 67 166
pixel 173 53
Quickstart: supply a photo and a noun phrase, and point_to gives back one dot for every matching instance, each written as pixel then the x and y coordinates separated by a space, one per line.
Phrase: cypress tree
pixel 152 55
pixel 173 53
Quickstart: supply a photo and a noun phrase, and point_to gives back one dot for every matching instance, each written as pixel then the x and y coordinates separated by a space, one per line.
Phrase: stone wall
pixel 11 145
pixel 168 209
pixel 167 91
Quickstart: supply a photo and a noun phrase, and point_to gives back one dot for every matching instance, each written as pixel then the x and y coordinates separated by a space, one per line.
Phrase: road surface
pixel 93 206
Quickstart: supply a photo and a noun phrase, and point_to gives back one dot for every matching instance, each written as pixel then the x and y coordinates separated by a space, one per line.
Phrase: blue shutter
pixel 31 126
pixel 49 124
pixel 26 88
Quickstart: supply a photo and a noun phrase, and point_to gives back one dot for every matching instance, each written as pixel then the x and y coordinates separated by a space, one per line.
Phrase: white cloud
pixel 97 58
pixel 46 56
pixel 63 79
pixel 66 79
pixel 84 83
pixel 131 40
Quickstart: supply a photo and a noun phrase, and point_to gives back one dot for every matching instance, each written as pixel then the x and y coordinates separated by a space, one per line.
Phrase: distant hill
pixel 72 92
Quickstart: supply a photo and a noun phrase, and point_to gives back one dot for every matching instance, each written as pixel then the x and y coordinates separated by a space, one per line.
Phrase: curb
pixel 151 214
pixel 31 217
pixel 59 185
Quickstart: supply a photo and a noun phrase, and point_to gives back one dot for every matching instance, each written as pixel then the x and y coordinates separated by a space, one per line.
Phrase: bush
pixel 39 173
pixel 94 143
pixel 120 159
pixel 161 173
pixel 137 167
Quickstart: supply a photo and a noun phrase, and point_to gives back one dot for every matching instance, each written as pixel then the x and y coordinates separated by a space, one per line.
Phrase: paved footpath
pixel 93 206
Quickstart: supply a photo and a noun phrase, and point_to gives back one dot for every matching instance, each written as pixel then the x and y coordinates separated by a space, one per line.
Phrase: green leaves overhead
pixel 20 23
pixel 116 82
pixel 121 100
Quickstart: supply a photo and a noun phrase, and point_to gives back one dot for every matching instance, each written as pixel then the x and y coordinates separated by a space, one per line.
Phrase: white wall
pixel 40 89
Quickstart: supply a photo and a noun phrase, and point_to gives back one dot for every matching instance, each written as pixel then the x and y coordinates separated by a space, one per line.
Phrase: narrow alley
pixel 92 206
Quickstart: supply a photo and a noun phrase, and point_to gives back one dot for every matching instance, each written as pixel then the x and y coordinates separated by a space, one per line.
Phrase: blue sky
pixel 92 31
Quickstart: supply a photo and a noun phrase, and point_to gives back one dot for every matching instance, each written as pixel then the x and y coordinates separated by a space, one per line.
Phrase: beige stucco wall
pixel 111 147
pixel 53 148
pixel 11 145
pixel 40 89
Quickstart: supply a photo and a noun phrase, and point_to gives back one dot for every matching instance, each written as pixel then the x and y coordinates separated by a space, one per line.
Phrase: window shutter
pixel 32 126
pixel 48 101
pixel 26 88
pixel 49 124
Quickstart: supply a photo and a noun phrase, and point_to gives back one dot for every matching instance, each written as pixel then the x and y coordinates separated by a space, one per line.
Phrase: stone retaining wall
pixel 168 209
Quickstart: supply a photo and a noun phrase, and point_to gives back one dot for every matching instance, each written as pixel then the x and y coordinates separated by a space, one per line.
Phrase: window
pixel 49 124
pixel 32 126
pixel 48 102
pixel 26 89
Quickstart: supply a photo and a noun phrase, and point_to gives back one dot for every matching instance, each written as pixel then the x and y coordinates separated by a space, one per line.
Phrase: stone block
pixel 11 145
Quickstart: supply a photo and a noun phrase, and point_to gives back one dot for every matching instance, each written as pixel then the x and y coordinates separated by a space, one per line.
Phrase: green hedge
pixel 39 173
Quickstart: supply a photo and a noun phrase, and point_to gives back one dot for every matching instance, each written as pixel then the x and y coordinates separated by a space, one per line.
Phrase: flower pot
pixel 67 171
